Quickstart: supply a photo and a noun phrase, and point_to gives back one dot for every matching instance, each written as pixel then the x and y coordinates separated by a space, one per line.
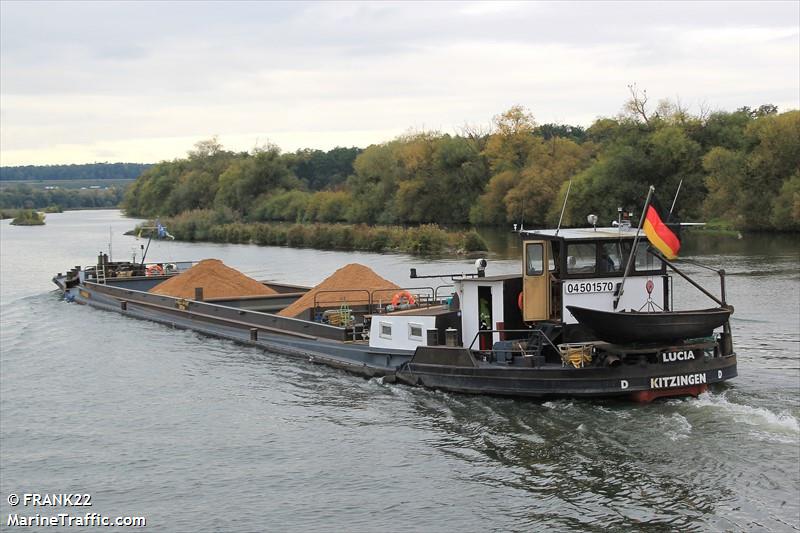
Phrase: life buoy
pixel 519 301
pixel 155 270
pixel 403 297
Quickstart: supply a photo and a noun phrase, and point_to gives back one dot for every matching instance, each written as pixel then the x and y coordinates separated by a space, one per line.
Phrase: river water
pixel 199 434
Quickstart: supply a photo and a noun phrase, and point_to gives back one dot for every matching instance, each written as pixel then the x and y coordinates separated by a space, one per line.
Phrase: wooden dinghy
pixel 627 327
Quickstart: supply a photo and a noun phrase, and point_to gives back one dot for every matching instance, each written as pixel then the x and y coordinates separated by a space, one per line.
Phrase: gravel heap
pixel 353 276
pixel 216 279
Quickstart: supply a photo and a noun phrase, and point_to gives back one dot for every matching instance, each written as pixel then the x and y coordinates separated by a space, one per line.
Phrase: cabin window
pixel 646 262
pixel 611 257
pixel 535 262
pixel 415 331
pixel 386 330
pixel 581 258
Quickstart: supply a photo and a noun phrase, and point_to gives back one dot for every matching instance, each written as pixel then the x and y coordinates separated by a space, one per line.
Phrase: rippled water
pixel 199 434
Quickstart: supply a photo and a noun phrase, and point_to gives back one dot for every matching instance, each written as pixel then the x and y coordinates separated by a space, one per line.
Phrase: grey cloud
pixel 176 68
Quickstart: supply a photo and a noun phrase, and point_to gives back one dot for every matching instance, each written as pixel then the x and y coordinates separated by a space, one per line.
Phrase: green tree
pixel 244 180
pixel 506 153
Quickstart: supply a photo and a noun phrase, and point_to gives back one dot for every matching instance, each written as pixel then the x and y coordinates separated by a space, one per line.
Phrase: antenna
pixel 110 234
pixel 563 207
pixel 674 200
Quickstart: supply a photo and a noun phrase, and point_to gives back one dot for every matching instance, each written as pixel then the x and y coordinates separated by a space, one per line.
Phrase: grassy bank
pixel 209 226
pixel 14 213
pixel 28 217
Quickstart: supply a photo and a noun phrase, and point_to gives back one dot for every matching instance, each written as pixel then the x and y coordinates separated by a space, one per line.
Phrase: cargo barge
pixel 562 327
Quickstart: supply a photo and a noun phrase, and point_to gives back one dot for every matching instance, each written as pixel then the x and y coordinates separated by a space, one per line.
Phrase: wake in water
pixel 783 422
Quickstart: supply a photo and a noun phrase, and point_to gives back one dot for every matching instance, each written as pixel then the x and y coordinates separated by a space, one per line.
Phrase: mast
pixel 563 207
pixel 674 200
pixel 144 254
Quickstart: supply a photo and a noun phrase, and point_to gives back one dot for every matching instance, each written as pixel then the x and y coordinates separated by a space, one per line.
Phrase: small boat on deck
pixel 626 327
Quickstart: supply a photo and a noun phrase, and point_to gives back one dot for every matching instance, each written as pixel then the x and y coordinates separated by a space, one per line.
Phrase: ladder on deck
pixel 100 273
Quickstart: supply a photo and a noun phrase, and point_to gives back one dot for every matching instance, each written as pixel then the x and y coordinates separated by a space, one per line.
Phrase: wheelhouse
pixel 584 267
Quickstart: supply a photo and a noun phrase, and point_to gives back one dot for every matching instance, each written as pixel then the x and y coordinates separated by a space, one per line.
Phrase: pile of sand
pixel 353 276
pixel 216 279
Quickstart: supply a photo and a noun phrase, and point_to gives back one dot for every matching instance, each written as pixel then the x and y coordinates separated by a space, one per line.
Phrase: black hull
pixel 563 382
pixel 463 371
pixel 649 328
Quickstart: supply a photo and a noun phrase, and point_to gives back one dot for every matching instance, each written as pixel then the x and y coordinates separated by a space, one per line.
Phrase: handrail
pixel 373 291
pixel 511 331
pixel 328 291
pixel 436 290
pixel 720 301
pixel 138 265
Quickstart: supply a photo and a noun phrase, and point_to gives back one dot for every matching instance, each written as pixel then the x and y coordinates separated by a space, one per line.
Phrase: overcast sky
pixel 142 82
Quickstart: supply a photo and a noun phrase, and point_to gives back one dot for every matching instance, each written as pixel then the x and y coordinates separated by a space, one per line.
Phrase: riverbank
pixel 426 239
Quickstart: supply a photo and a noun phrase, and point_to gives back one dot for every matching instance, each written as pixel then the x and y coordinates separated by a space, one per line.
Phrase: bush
pixel 426 239
pixel 474 242
pixel 221 226
pixel 296 236
pixel 28 217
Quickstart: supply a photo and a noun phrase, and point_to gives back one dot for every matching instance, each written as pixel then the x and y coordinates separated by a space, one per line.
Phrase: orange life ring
pixel 519 301
pixel 403 297
pixel 155 270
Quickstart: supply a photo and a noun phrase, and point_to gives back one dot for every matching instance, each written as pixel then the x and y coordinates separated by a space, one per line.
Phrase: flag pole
pixel 620 287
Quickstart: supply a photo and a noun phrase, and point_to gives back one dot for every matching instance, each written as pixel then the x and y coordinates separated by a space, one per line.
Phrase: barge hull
pixel 318 343
pixel 556 381
pixel 358 359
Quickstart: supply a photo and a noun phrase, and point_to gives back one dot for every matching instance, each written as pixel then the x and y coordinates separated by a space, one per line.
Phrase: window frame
pixel 644 245
pixel 411 327
pixel 581 273
pixel 542 269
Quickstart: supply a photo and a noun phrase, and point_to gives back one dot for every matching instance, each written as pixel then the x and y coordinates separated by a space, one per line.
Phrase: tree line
pixel 23 196
pixel 90 171
pixel 739 169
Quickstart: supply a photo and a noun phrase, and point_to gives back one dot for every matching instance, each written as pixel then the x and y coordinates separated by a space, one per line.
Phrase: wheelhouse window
pixel 612 257
pixel 415 331
pixel 386 330
pixel 534 259
pixel 581 258
pixel 646 262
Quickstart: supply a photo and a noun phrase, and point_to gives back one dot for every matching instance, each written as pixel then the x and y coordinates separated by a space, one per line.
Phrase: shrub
pixel 473 242
pixel 426 239
pixel 220 226
pixel 296 236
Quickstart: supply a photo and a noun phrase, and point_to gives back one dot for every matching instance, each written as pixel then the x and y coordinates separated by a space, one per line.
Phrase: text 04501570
pixel 584 287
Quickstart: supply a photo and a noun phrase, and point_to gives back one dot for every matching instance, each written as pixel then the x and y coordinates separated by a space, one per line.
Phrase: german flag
pixel 663 237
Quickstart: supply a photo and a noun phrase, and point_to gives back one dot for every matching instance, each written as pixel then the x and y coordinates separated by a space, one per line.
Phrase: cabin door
pixel 485 319
pixel 536 282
